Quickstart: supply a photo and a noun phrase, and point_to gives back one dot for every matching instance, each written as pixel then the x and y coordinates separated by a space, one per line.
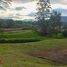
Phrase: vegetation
pixel 55 22
pixel 48 23
pixel 22 34
pixel 47 37
pixel 18 55
pixel 43 16
pixel 9 23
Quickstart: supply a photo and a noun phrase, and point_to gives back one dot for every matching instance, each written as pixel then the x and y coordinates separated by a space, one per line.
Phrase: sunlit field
pixel 22 34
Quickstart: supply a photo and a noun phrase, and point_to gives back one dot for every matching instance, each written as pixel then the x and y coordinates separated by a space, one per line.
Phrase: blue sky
pixel 19 8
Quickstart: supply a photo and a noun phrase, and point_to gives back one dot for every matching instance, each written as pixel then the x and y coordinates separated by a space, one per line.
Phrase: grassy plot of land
pixel 44 53
pixel 21 54
pixel 22 34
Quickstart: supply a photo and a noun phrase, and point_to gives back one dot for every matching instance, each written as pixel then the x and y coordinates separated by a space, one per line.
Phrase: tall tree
pixel 43 14
pixel 43 9
pixel 55 21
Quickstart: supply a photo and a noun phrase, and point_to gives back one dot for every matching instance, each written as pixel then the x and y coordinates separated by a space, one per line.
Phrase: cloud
pixel 55 1
pixel 25 1
pixel 19 8
pixel 59 1
pixel 22 1
pixel 52 1
pixel 28 7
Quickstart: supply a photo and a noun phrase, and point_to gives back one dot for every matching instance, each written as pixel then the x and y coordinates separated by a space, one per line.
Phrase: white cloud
pixel 59 1
pixel 30 7
pixel 58 5
pixel 22 1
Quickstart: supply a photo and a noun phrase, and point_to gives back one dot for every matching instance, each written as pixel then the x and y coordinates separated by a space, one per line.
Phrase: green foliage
pixel 55 22
pixel 9 23
pixel 65 33
pixel 50 26
pixel 58 36
pixel 22 34
pixel 1 30
pixel 42 15
pixel 47 23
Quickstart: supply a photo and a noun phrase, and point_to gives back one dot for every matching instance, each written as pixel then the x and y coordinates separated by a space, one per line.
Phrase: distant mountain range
pixel 62 11
pixel 64 18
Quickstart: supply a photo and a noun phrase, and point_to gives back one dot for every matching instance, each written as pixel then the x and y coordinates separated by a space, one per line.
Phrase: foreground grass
pixel 17 55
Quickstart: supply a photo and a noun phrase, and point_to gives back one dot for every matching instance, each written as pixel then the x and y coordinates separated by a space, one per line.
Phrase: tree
pixel 42 15
pixel 55 22
pixel 4 4
pixel 1 29
pixel 43 9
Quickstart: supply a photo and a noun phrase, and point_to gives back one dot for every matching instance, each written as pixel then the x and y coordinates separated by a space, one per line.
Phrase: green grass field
pixel 18 54
pixel 23 34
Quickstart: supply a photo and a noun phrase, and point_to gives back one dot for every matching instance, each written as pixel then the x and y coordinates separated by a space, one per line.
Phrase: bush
pixel 57 36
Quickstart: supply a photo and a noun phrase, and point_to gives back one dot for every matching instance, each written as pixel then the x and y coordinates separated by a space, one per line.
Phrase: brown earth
pixel 1 61
pixel 55 55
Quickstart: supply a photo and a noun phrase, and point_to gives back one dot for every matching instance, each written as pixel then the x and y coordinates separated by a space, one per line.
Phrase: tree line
pixel 9 23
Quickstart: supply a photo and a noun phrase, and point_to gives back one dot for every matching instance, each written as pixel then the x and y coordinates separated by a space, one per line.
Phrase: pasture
pixel 24 54
pixel 49 52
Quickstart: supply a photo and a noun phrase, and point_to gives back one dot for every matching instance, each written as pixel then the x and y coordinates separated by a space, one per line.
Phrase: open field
pixel 22 54
pixel 21 34
pixel 49 52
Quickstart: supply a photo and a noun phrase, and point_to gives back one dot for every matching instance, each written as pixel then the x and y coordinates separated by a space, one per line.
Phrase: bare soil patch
pixel 55 55
pixel 1 61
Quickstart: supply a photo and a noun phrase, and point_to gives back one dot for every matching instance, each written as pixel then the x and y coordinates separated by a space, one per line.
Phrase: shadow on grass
pixel 19 41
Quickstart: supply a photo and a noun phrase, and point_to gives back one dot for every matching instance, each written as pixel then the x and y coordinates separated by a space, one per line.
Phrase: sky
pixel 22 8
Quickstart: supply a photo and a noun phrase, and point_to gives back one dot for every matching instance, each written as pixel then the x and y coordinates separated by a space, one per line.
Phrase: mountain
pixel 62 11
pixel 64 20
